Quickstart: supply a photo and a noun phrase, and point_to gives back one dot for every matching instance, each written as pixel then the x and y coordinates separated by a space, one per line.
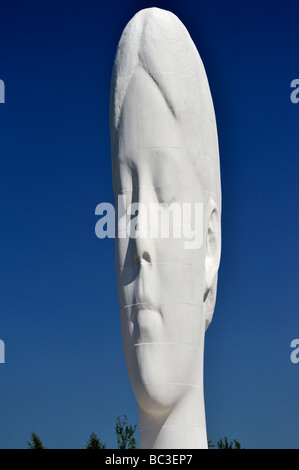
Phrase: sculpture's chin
pixel 163 373
pixel 159 398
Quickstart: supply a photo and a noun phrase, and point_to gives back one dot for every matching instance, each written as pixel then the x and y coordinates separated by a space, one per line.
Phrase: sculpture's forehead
pixel 157 66
pixel 162 136
pixel 165 146
pixel 163 125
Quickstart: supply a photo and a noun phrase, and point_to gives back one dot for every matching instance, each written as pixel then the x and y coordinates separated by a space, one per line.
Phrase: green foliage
pixel 210 444
pixel 125 434
pixel 94 442
pixel 224 444
pixel 126 440
pixel 35 442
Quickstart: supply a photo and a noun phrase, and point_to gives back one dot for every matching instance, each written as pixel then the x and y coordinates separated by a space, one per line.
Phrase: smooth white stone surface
pixel 164 148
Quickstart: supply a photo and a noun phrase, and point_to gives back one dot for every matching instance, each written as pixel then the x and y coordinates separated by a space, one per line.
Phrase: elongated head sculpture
pixel 166 180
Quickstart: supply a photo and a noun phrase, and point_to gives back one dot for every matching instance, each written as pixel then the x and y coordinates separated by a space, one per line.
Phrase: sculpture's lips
pixel 142 307
pixel 147 326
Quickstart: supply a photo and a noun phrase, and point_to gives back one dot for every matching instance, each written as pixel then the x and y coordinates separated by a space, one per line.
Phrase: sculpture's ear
pixel 212 260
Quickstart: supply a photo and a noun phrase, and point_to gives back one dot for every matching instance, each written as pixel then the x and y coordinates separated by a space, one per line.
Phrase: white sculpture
pixel 165 149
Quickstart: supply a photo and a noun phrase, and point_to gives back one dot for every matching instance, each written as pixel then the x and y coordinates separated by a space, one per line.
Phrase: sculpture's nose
pixel 143 242
pixel 143 246
pixel 142 258
pixel 144 276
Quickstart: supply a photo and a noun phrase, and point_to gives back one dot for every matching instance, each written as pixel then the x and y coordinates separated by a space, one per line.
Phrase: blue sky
pixel 65 374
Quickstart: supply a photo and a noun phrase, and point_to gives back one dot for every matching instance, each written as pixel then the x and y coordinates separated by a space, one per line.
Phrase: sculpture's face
pixel 160 281
pixel 164 150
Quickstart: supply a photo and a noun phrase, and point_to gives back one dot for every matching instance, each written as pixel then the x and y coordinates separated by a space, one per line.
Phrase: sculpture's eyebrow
pixel 125 266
